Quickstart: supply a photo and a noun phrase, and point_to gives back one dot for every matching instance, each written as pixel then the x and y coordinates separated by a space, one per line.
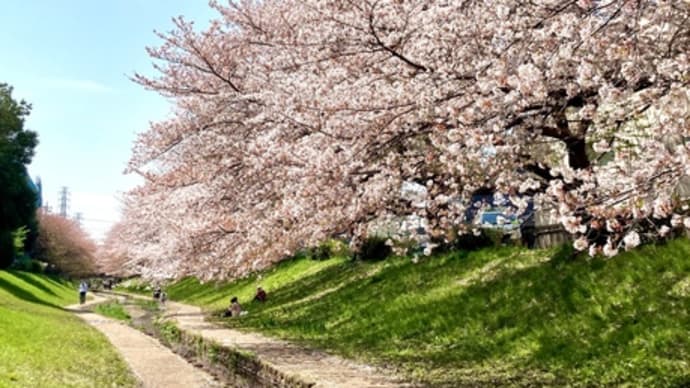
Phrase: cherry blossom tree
pixel 63 244
pixel 111 256
pixel 299 120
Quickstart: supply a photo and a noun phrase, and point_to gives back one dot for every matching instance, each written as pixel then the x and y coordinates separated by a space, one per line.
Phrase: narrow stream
pixel 230 367
pixel 143 312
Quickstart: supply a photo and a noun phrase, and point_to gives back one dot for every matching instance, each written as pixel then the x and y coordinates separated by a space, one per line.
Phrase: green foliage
pixel 330 248
pixel 113 310
pixel 498 316
pixel 322 252
pixel 483 239
pixel 6 248
pixel 46 346
pixel 168 331
pixel 16 143
pixel 136 285
pixel 374 248
pixel 152 306
pixel 27 264
pixel 217 295
pixel 18 239
pixel 17 197
pixel 22 261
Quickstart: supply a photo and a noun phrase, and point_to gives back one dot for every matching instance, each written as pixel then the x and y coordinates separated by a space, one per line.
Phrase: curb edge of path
pixel 145 373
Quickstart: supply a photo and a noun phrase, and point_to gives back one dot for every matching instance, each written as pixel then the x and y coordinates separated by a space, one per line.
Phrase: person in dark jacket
pixel 260 295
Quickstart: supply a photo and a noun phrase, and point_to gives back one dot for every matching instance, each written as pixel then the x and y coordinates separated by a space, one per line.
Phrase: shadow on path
pixel 78 309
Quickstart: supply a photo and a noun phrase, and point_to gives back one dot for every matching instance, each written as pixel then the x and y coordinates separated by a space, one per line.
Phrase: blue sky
pixel 70 59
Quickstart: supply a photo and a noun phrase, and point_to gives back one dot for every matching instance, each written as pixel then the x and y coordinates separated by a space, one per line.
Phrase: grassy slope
pixel 501 316
pixel 42 345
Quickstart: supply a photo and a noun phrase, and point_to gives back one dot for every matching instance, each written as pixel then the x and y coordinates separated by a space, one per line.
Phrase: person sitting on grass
pixel 234 310
pixel 260 295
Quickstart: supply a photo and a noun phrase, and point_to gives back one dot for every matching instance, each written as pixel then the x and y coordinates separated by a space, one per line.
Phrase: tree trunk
pixel 577 153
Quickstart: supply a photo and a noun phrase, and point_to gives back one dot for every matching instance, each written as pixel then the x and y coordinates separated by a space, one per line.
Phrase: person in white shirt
pixel 83 287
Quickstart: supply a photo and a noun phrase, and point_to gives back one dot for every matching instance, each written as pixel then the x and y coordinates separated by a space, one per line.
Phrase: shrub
pixel 330 248
pixel 26 264
pixel 374 249
pixel 321 252
pixel 6 248
pixel 168 331
pixel 485 238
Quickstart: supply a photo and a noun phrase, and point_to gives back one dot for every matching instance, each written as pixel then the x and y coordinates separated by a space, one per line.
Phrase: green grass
pixel 217 295
pixel 42 345
pixel 502 316
pixel 113 310
pixel 147 305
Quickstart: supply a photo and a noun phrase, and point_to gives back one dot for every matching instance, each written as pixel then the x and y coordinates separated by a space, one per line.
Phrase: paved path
pixel 310 366
pixel 153 364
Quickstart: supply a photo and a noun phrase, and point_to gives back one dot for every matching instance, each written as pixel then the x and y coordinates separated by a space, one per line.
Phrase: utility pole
pixel 78 218
pixel 64 199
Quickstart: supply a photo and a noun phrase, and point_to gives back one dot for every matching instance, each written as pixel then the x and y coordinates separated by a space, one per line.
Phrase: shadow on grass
pixel 27 278
pixel 573 319
pixel 497 312
pixel 216 296
pixel 24 295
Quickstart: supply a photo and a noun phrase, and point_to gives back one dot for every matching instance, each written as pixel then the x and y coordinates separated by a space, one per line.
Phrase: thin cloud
pixel 83 85
pixel 99 211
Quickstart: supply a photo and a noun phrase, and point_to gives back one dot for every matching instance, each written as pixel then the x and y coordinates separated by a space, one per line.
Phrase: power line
pixel 97 220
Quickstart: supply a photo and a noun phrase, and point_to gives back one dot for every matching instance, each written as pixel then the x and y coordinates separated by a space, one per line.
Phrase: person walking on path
pixel 83 287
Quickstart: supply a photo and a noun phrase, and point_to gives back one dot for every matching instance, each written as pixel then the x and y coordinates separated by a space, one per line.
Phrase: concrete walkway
pixel 152 363
pixel 316 368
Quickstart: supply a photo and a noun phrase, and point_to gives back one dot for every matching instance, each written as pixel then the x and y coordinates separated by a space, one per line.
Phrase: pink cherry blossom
pixel 297 121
